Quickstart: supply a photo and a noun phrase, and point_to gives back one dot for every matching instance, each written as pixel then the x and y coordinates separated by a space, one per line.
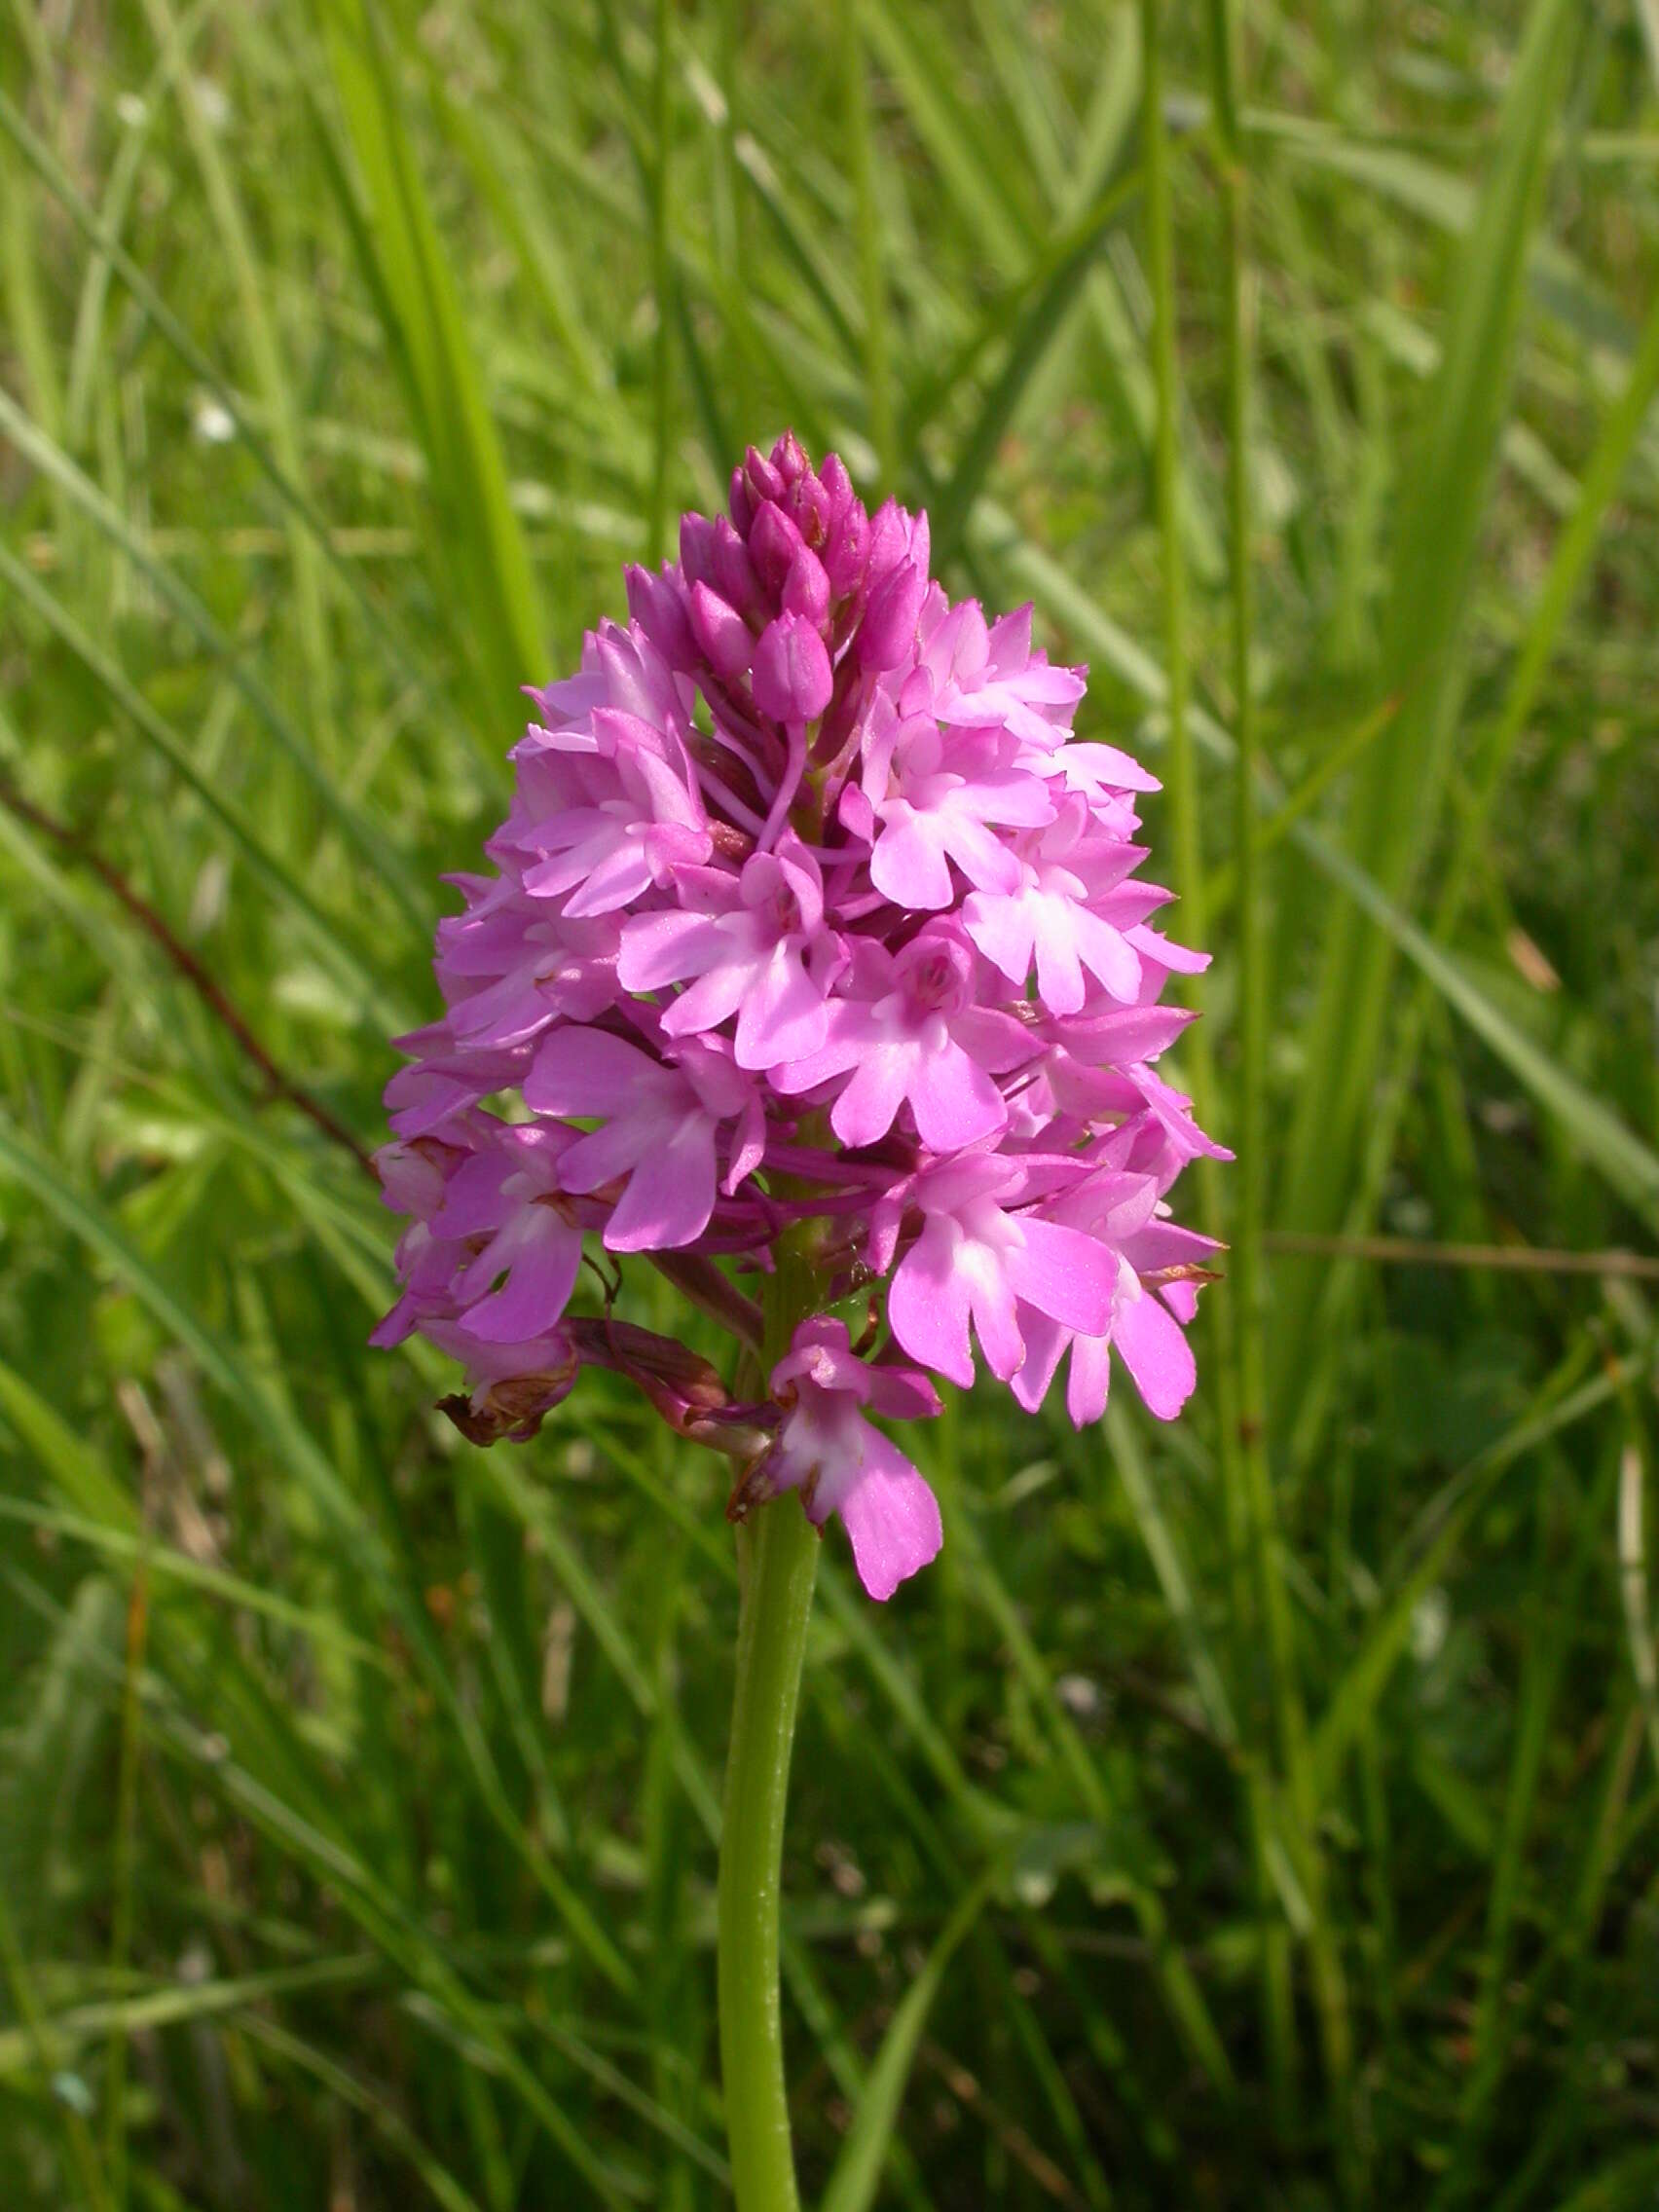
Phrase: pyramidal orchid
pixel 815 968
pixel 807 923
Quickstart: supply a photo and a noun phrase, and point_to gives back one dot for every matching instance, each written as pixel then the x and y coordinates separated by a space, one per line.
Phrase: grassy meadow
pixel 1257 1812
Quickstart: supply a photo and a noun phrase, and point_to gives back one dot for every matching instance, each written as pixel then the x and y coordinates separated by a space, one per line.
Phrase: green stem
pixel 873 279
pixel 662 282
pixel 779 1558
pixel 1243 1448
pixel 1249 1323
pixel 1181 782
pixel 1278 2017
pixel 1182 779
pixel 125 1825
pixel 77 2136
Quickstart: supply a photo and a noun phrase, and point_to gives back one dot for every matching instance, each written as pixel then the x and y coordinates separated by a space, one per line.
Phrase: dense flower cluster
pixel 808 920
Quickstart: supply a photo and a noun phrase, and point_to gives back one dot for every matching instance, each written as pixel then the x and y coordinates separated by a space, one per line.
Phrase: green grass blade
pixel 271 375
pixel 175 1567
pixel 857 2173
pixel 975 178
pixel 412 282
pixel 36 2040
pixel 358 832
pixel 395 641
pixel 375 1000
pixel 1029 342
pixel 1623 1159
pixel 437 2180
pixel 1398 797
pixel 1387 1641
pixel 872 259
pixel 1628 1165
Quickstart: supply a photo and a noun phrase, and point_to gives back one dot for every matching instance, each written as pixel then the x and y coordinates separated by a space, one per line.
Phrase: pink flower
pixel 1158 1267
pixel 913 1036
pixel 509 968
pixel 620 820
pixel 936 803
pixel 657 1134
pixel 1062 912
pixel 979 1260
pixel 808 920
pixel 509 1206
pixel 827 1451
pixel 749 944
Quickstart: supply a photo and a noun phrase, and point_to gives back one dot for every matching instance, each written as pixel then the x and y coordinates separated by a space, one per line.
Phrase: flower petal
pixel 1157 1354
pixel 670 1195
pixel 1065 1273
pixel 927 1306
pixel 893 1521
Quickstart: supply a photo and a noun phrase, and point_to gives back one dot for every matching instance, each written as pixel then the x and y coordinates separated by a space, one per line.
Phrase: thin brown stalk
pixel 1420 1252
pixel 185 962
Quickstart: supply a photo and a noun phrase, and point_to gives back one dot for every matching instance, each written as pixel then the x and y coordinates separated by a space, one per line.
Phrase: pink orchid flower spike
pixel 816 965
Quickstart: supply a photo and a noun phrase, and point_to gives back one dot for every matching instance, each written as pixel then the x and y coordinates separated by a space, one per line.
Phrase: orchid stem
pixel 778 1555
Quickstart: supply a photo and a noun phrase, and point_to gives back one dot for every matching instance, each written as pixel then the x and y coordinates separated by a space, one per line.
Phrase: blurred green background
pixel 357 1789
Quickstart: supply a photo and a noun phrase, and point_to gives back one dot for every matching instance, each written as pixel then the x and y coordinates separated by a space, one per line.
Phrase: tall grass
pixel 1259 1812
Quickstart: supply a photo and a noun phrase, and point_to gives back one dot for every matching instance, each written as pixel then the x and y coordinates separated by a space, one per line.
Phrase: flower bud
pixel 889 626
pixel 837 483
pixel 806 589
pixel 792 677
pixel 846 556
pixel 721 631
pixel 889 540
pixel 763 480
pixel 734 577
pixel 788 458
pixel 812 509
pixel 657 606
pixel 773 544
pixel 697 549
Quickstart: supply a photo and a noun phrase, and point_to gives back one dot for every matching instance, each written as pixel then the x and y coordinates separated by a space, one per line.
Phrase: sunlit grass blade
pixel 92 1226
pixel 480 545
pixel 1629 1165
pixel 974 169
pixel 1362 1682
pixel 513 201
pixel 1397 800
pixel 355 826
pixel 1569 561
pixel 173 1567
pixel 271 375
pixel 369 990
pixel 872 259
pixel 268 1409
pixel 394 640
pixel 1029 340
pixel 328 1853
